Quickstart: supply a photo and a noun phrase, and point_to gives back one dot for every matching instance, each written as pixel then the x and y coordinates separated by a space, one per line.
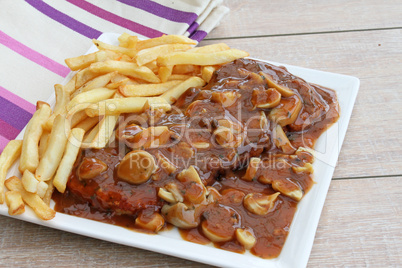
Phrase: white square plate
pixel 296 250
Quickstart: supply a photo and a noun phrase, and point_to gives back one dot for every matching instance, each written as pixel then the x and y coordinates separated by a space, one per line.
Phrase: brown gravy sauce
pixel 107 199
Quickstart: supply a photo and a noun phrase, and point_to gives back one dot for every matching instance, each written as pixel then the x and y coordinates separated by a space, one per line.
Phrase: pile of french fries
pixel 132 77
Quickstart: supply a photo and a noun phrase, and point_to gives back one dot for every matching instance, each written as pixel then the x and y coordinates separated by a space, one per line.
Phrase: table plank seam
pixel 303 33
pixel 367 177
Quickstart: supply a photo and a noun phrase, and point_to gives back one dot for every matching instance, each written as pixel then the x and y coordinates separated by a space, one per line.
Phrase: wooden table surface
pixel 361 223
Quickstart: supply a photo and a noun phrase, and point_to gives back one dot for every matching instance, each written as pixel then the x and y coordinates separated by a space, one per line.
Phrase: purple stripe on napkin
pixel 7 131
pixel 11 97
pixel 162 11
pixel 64 19
pixel 13 115
pixel 125 23
pixel 192 28
pixel 3 143
pixel 34 56
pixel 198 35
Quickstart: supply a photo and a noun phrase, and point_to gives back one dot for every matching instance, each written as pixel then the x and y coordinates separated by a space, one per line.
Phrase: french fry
pixel 81 62
pixel 69 157
pixel 179 77
pixel 88 123
pixel 207 72
pixel 132 42
pixel 210 48
pixel 103 55
pixel 84 76
pixel 77 114
pixel 48 195
pixel 43 143
pixel 105 131
pixel 118 77
pixel 120 83
pixel 54 151
pixel 150 54
pixel 70 86
pixel 98 82
pixel 152 66
pixel 92 96
pixel 29 182
pixel 123 39
pixel 183 69
pixel 9 155
pixel 126 105
pixel 165 39
pixel 42 210
pixel 30 149
pixel 120 80
pixel 87 141
pixel 147 90
pixel 164 72
pixel 201 58
pixel 62 98
pixel 14 202
pixel 126 68
pixel 42 189
pixel 103 46
pixel 174 93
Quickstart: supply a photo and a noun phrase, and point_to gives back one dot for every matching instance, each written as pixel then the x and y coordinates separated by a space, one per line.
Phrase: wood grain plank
pixel 373 142
pixel 261 17
pixel 359 226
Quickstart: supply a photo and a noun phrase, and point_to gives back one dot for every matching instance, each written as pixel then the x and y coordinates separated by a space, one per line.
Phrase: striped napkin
pixel 37 35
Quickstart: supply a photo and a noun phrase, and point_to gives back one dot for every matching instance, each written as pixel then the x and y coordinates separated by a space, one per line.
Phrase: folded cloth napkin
pixel 37 35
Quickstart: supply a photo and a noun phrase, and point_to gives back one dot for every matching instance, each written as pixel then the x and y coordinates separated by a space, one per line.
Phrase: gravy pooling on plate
pixel 227 164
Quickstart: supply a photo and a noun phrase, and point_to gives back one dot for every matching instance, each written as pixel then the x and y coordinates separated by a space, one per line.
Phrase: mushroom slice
pixel 150 221
pixel 91 167
pixel 281 141
pixel 127 132
pixel 227 98
pixel 214 237
pixel 136 167
pixel 305 154
pixel 232 196
pixel 165 195
pixel 180 215
pixel 265 98
pixel 246 238
pixel 307 168
pixel 253 76
pixel 201 145
pixel 174 190
pixel 165 164
pixel 234 127
pixel 188 175
pixel 251 169
pixel 182 149
pixel 288 188
pixel 260 204
pixel 287 111
pixel 220 223
pixel 195 189
pixel 285 91
pixel 213 194
pixel 263 120
pixel 152 137
pixel 226 137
